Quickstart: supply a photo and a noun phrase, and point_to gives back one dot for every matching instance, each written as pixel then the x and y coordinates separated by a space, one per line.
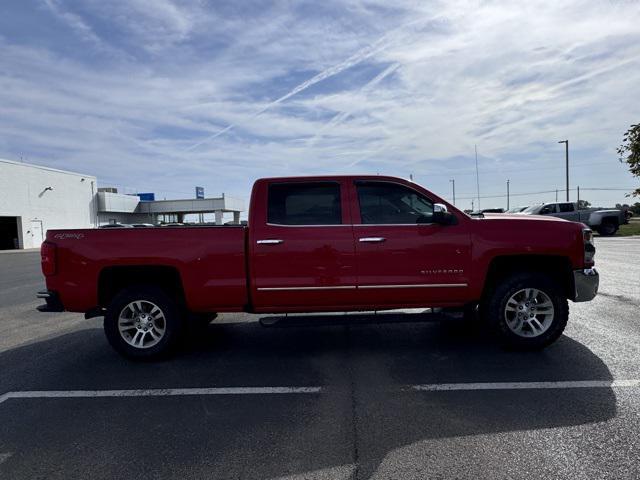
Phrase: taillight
pixel 48 258
pixel 589 246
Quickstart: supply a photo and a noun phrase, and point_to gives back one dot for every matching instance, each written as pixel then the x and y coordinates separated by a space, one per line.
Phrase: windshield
pixel 532 208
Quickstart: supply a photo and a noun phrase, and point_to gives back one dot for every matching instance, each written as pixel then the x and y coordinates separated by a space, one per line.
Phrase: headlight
pixel 589 246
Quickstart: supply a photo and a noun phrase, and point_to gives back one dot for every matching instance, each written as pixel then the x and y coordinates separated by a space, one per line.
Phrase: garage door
pixel 8 233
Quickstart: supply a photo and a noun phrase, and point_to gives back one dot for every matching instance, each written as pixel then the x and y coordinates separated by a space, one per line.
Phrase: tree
pixel 629 152
pixel 583 204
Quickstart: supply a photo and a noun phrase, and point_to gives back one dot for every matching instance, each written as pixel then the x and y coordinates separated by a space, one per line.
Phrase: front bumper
pixel 53 302
pixel 586 283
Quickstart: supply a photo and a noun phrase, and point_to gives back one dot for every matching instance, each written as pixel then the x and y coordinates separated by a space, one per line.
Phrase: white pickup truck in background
pixel 605 222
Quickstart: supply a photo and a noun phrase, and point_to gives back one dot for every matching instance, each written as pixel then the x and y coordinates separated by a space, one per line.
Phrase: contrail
pixel 353 60
pixel 342 116
pixel 358 57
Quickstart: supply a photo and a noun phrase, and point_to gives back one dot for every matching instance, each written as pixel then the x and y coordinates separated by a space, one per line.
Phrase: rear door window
pixel 312 203
pixel 566 207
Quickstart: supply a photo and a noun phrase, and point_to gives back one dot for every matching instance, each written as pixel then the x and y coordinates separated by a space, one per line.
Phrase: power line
pixel 510 171
pixel 611 189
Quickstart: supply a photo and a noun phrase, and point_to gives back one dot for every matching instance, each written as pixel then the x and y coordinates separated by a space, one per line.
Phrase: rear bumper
pixel 53 301
pixel 586 283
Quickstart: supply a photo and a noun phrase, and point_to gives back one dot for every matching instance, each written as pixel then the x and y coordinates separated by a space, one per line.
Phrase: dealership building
pixel 34 199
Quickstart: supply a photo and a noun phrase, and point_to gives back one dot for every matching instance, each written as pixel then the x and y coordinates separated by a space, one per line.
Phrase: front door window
pixel 384 203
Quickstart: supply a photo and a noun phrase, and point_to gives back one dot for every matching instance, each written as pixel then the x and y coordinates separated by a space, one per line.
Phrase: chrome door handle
pixel 372 239
pixel 269 242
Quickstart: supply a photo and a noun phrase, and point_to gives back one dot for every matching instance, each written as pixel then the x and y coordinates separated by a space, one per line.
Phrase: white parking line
pixel 439 387
pixel 433 387
pixel 169 392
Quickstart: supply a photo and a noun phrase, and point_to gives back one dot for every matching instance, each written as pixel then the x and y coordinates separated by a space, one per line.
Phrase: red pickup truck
pixel 332 243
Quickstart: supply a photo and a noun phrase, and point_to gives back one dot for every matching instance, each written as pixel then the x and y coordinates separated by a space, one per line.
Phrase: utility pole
pixel 566 155
pixel 472 208
pixel 556 195
pixel 507 194
pixel 453 184
pixel 477 176
pixel 578 196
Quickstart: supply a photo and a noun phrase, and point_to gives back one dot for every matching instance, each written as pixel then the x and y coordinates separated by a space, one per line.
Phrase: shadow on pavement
pixel 364 368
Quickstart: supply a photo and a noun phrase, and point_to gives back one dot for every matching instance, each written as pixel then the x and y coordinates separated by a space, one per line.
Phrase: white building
pixel 34 199
pixel 115 207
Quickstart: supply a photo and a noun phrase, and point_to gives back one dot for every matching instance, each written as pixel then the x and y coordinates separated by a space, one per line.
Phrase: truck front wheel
pixel 142 322
pixel 527 311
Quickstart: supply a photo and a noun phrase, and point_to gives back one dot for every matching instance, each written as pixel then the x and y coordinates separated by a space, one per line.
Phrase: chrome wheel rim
pixel 142 324
pixel 529 312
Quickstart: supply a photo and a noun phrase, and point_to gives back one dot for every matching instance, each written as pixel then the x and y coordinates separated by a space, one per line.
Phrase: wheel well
pixel 113 280
pixel 557 267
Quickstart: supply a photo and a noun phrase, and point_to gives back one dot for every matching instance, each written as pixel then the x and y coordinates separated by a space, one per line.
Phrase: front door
pixel 403 258
pixel 302 243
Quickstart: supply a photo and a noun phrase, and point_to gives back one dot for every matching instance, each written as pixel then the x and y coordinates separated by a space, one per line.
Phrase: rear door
pixel 568 212
pixel 302 246
pixel 403 258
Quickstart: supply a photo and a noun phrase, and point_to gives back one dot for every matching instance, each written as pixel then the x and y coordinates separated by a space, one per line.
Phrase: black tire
pixel 607 228
pixel 171 321
pixel 494 310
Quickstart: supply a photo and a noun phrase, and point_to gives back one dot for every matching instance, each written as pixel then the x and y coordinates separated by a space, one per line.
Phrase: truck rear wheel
pixel 607 228
pixel 142 322
pixel 527 311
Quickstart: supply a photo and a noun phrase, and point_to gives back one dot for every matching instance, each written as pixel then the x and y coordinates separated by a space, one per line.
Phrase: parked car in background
pixel 480 213
pixel 115 225
pixel 605 222
pixel 516 209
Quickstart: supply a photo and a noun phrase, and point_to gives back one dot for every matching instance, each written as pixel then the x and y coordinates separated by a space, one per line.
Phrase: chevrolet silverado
pixel 333 243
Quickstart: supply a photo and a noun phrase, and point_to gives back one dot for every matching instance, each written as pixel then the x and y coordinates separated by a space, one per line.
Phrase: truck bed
pixel 209 260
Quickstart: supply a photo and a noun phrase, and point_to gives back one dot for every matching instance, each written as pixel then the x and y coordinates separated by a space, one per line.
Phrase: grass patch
pixel 633 228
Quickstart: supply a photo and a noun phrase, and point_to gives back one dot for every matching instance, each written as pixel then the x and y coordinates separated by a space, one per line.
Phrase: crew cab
pixel 323 244
pixel 605 222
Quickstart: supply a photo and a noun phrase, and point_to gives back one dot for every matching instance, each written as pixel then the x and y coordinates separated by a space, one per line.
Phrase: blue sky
pixel 164 95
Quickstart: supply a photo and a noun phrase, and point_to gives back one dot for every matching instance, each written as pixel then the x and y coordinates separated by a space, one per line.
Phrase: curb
pixel 19 250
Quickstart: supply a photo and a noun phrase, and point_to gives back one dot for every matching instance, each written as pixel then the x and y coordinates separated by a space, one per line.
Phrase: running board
pixel 353 318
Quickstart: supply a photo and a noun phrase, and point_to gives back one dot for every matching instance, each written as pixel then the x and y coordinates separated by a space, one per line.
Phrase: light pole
pixel 507 194
pixel 453 185
pixel 477 176
pixel 566 155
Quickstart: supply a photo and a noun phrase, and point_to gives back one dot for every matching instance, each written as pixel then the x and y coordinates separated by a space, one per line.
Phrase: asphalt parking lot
pixel 359 399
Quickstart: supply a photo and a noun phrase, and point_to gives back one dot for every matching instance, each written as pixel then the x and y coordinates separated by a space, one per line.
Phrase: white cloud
pixel 350 87
pixel 76 23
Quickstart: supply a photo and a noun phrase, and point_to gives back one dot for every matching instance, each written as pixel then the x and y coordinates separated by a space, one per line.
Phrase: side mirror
pixel 441 216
